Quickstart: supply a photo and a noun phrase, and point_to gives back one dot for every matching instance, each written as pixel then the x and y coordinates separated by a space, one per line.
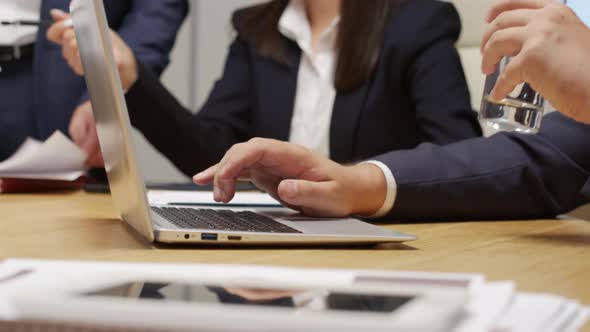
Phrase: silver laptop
pixel 176 224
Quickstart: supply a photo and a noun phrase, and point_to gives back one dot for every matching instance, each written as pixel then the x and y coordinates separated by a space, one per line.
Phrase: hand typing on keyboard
pixel 299 178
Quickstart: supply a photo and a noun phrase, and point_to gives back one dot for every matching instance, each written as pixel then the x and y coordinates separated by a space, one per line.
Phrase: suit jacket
pixel 417 93
pixel 506 176
pixel 149 27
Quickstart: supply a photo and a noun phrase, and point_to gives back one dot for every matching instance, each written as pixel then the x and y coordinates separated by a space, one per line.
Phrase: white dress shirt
pixel 315 95
pixel 13 10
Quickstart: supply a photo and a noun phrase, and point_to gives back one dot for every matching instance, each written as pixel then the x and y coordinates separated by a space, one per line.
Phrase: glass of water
pixel 521 111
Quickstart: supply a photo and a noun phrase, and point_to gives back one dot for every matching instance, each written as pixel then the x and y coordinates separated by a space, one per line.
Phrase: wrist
pixel 370 189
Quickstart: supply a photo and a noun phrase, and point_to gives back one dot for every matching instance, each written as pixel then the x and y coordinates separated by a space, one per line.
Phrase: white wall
pixel 213 33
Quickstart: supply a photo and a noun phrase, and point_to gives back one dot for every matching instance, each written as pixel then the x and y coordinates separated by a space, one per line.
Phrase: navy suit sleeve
pixel 506 176
pixel 149 28
pixel 194 142
pixel 435 78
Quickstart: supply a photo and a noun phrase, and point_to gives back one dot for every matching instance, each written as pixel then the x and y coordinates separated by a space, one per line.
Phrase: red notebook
pixel 12 185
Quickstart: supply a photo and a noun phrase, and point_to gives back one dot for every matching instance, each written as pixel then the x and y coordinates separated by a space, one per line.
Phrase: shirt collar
pixel 294 24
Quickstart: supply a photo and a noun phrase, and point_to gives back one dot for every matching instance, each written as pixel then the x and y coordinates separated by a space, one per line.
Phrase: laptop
pixel 182 224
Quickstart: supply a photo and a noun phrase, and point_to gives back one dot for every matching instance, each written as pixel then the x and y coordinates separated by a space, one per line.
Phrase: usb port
pixel 209 236
pixel 234 238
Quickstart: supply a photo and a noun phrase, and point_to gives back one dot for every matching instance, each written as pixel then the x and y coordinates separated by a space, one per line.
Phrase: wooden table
pixel 551 256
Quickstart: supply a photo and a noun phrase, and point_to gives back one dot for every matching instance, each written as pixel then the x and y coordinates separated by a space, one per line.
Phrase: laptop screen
pixel 110 112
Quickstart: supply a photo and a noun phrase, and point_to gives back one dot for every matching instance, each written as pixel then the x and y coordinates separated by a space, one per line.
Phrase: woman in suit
pixel 506 176
pixel 348 79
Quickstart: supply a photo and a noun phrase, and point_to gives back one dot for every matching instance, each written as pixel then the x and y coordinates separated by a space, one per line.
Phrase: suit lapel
pixel 346 113
pixel 345 121
pixel 281 82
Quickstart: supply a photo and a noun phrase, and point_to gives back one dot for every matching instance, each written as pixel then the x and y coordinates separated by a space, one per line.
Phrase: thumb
pixel 321 199
pixel 81 122
pixel 77 131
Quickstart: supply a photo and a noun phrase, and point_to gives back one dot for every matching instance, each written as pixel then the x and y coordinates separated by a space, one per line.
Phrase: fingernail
pixel 225 187
pixel 57 12
pixel 218 194
pixel 291 189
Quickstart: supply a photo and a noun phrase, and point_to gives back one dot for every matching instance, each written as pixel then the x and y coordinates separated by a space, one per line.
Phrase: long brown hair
pixel 360 37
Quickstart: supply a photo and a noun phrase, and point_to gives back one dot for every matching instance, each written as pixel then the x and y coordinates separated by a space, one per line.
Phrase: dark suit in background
pixel 417 94
pixel 506 176
pixel 38 95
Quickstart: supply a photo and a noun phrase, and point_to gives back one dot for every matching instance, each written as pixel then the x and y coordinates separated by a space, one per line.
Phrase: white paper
pixel 492 307
pixel 163 197
pixel 467 281
pixel 57 158
pixel 541 313
pixel 580 321
pixel 486 306
pixel 9 274
pixel 55 278
pixel 59 276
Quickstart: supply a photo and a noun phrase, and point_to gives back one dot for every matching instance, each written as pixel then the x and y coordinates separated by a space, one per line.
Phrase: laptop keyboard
pixel 222 220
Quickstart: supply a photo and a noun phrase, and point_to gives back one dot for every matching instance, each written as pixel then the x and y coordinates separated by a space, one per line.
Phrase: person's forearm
pixel 506 176
pixel 150 29
pixel 190 143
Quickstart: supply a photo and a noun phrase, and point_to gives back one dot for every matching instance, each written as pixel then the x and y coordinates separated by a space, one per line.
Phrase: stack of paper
pixel 496 309
pixel 57 159
pixel 542 312
pixel 491 306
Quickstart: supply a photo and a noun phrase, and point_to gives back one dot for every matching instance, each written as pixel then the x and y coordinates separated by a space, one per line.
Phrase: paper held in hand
pixel 58 158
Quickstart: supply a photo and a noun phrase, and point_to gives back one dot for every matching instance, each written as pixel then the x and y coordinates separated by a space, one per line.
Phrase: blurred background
pixel 199 55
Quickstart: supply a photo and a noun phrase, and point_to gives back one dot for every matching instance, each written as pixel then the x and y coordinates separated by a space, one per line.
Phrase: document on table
pixel 52 279
pixel 58 158
pixel 542 312
pixel 8 275
pixel 242 199
pixel 486 306
pixel 26 286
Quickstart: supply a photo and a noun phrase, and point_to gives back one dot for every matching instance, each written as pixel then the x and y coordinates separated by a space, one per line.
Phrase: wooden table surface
pixel 550 256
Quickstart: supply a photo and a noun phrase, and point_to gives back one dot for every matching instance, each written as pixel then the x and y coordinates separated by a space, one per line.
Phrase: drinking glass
pixel 521 111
